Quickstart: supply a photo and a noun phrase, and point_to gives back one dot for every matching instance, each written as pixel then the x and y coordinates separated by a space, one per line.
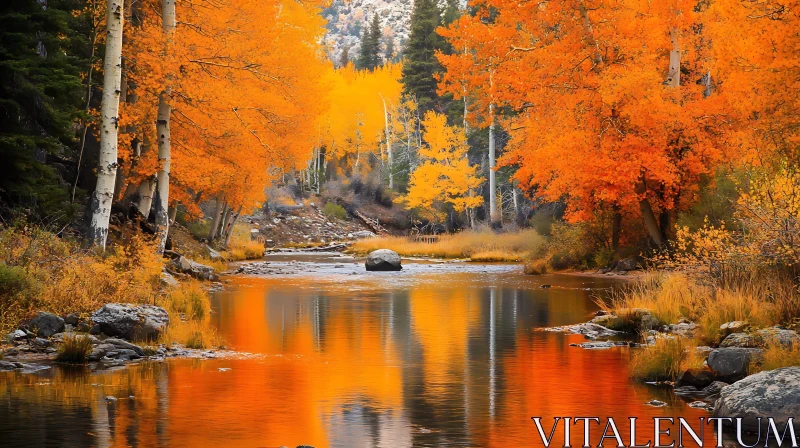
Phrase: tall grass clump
pixel 775 356
pixel 475 245
pixel 74 350
pixel 190 301
pixel 664 360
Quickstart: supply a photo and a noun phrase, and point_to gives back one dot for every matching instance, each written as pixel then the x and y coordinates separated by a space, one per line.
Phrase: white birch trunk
pixel 145 192
pixel 107 164
pixel 674 75
pixel 493 212
pixel 162 128
pixel 388 144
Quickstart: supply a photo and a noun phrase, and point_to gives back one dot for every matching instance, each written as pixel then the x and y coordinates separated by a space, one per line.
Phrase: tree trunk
pixel 103 196
pixel 145 192
pixel 494 213
pixel 229 231
pixel 616 227
pixel 173 213
pixel 226 215
pixel 388 144
pixel 162 128
pixel 674 74
pixel 650 221
pixel 212 232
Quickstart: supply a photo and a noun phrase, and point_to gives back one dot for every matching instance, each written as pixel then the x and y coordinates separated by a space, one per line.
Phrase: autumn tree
pixel 444 177
pixel 600 98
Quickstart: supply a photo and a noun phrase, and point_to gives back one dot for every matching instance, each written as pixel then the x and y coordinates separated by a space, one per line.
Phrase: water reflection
pixel 439 356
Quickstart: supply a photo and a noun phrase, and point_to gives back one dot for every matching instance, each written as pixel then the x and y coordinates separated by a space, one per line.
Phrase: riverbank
pixel 721 344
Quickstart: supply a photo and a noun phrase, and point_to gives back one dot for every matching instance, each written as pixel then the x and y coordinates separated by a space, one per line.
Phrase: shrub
pixel 48 273
pixel 14 281
pixel 74 350
pixel 199 229
pixel 333 210
pixel 535 267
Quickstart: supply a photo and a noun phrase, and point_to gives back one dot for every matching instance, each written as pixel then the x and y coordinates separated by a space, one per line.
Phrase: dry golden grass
pixel 189 308
pixel 219 265
pixel 190 300
pixel 777 355
pixel 241 247
pixel 664 360
pixel 192 334
pixel 761 300
pixel 39 271
pixel 75 350
pixel 477 246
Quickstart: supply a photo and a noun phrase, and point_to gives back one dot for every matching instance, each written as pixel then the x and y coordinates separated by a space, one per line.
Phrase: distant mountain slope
pixel 347 18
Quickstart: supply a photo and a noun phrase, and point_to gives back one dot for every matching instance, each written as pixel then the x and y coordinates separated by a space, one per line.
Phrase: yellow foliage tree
pixel 444 176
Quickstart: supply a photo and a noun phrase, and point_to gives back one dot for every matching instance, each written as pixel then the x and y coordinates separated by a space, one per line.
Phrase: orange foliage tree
pixel 246 76
pixel 610 104
pixel 444 176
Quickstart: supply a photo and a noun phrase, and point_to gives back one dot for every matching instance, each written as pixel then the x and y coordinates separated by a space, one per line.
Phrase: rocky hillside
pixel 347 18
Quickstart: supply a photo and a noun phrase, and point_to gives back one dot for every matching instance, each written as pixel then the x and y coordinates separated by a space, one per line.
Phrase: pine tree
pixel 41 57
pixel 420 63
pixel 369 54
pixel 388 53
pixel 344 58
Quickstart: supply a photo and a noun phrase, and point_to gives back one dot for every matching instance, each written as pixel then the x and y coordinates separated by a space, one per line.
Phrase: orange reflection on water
pixel 448 360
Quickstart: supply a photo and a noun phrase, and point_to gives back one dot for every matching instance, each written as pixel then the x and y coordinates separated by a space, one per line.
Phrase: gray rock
pixel 629 264
pixel 744 340
pixel 193 268
pixel 656 403
pixel 72 319
pixel 683 329
pixel 732 363
pixel 604 320
pixel 589 330
pixel 6 366
pixel 774 393
pixel 383 260
pixel 214 255
pixel 17 335
pixel 695 377
pixel 124 345
pixel 131 321
pixel 733 327
pixel 361 234
pixel 710 392
pixel 46 324
pixel 168 280
pixel 787 338
pixel 649 322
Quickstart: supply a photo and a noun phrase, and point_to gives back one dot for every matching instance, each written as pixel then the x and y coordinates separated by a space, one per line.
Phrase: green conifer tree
pixel 420 63
pixel 41 94
pixel 369 55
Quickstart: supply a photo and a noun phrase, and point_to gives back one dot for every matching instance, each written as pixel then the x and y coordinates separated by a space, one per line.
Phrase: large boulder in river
pixel 383 260
pixel 46 324
pixel 774 393
pixel 732 363
pixel 131 321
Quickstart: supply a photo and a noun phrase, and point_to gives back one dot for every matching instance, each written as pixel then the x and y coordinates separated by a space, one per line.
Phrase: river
pixel 440 354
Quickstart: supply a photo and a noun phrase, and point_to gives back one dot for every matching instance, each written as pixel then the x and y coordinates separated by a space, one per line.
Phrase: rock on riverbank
pixel 383 260
pixel 775 393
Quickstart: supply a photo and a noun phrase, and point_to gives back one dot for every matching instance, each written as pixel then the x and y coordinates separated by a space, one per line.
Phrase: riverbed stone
pixel 629 264
pixel 744 340
pixel 383 260
pixel 732 363
pixel 698 378
pixel 131 321
pixel 72 319
pixel 683 329
pixel 193 268
pixel 778 335
pixel 708 393
pixel 736 326
pixel 46 324
pixel 16 335
pixel 773 393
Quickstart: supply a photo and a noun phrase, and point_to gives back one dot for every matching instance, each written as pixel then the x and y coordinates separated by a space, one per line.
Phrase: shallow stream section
pixel 440 354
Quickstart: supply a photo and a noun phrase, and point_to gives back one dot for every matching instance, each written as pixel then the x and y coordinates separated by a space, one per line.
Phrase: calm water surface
pixel 444 354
